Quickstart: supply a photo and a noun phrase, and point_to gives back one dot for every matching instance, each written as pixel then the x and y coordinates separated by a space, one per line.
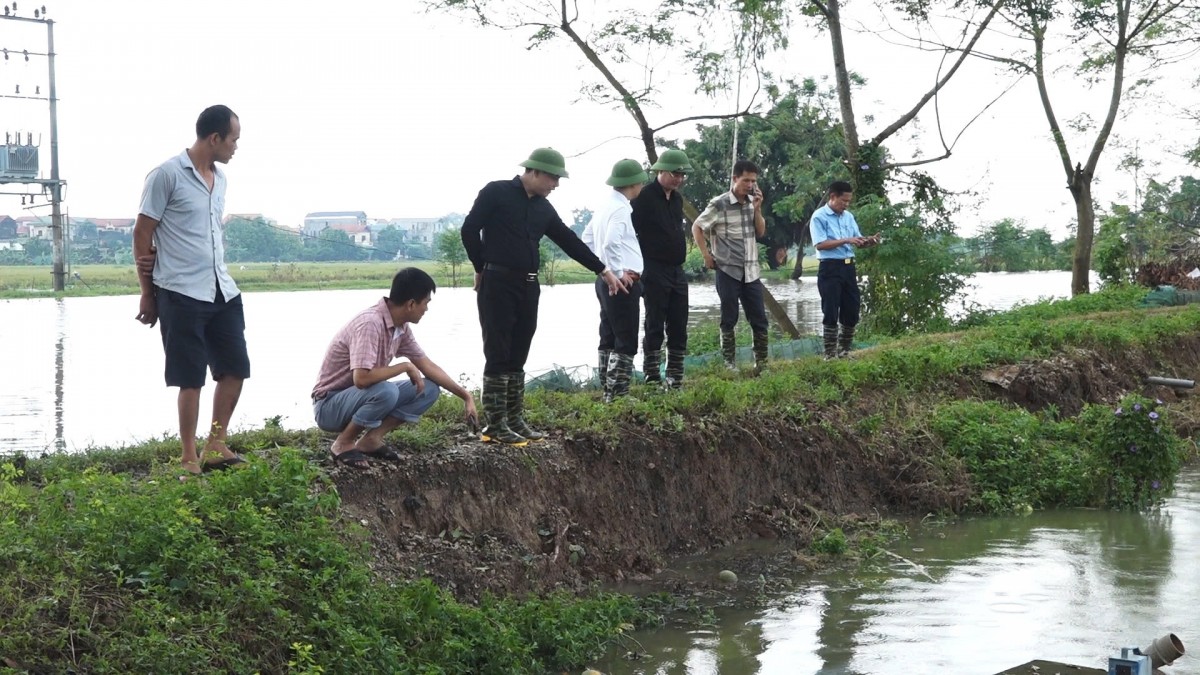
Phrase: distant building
pixel 34 227
pixel 122 225
pixel 8 228
pixel 11 245
pixel 317 221
pixel 419 230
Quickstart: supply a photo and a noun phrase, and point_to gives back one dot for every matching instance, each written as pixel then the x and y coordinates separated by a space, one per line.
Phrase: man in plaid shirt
pixel 726 234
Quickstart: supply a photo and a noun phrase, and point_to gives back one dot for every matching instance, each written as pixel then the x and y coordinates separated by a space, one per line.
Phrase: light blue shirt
pixel 826 225
pixel 190 237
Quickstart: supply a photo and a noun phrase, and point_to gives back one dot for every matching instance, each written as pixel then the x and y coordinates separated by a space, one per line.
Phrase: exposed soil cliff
pixel 568 511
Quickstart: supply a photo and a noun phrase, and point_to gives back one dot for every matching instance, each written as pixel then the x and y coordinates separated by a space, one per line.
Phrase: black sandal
pixel 353 457
pixel 222 464
pixel 383 452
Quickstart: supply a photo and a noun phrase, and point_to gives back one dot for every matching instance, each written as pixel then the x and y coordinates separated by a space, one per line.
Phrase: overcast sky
pixel 379 107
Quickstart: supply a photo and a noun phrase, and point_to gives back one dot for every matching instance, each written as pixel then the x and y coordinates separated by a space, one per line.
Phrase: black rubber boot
pixel 620 371
pixel 845 340
pixel 830 337
pixel 729 349
pixel 652 366
pixel 674 368
pixel 602 370
pixel 761 351
pixel 516 408
pixel 495 412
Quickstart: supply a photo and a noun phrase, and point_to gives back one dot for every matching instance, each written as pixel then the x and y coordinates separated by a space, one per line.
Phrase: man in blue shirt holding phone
pixel 835 235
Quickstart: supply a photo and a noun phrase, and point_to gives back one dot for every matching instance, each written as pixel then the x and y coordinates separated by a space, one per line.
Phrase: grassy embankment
pixel 30 282
pixel 21 281
pixel 113 566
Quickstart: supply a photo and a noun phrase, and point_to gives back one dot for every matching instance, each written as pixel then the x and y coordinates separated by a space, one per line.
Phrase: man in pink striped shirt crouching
pixel 355 396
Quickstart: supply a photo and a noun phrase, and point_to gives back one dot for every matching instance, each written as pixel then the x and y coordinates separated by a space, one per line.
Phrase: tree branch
pixel 629 101
pixel 912 113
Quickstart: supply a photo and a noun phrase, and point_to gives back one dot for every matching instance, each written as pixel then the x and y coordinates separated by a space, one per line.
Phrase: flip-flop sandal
pixel 222 464
pixel 384 452
pixel 353 458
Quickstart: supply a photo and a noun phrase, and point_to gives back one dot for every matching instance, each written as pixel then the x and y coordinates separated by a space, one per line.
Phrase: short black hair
pixel 216 119
pixel 411 283
pixel 839 187
pixel 744 166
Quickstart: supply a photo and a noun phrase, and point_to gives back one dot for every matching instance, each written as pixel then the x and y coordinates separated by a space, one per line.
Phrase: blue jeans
pixel 367 407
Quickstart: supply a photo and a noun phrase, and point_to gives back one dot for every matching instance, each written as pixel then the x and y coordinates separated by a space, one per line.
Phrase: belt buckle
pixel 848 261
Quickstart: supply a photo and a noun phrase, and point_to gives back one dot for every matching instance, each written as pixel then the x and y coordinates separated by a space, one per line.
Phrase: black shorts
pixel 198 335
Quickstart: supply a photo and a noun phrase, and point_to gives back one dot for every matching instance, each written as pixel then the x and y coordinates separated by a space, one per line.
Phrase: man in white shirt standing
pixel 611 237
pixel 179 231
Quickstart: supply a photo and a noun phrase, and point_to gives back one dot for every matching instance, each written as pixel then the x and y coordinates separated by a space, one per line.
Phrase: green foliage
pixel 256 240
pixel 833 543
pixel 248 572
pixel 1111 254
pixel 1006 246
pixel 1108 299
pixel 1016 459
pixel 450 251
pixel 333 244
pixel 1139 452
pixel 799 147
pixel 914 273
pixel 389 241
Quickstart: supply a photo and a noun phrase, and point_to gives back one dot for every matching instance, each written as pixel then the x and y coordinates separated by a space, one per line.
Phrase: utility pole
pixel 56 225
pixel 14 168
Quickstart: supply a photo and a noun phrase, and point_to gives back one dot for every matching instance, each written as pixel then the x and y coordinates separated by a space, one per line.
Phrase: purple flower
pixel 1137 407
pixel 865 167
pixel 1118 412
pixel 1153 415
pixel 1155 485
pixel 1133 448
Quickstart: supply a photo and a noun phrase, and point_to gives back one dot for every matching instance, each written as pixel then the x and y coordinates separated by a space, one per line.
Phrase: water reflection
pixel 1071 586
pixel 81 371
pixel 59 370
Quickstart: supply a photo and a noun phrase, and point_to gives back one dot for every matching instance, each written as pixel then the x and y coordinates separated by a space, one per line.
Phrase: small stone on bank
pixel 727 576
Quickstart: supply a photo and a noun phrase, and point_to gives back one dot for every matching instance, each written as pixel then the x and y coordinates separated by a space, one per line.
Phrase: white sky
pixel 380 107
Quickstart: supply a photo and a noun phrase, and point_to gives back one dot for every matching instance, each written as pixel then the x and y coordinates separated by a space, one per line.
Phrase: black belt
pixel 838 261
pixel 527 276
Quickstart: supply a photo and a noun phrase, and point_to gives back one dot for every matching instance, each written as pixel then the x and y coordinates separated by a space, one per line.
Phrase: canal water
pixel 81 372
pixel 974 597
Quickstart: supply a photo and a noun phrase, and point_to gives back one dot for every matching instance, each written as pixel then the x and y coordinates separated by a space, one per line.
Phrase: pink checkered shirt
pixel 369 341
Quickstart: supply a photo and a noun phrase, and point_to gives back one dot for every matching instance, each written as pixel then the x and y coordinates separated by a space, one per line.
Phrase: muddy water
pixel 80 371
pixel 975 597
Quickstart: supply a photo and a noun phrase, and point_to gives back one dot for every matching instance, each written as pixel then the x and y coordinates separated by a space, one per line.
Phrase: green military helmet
pixel 547 160
pixel 627 172
pixel 672 160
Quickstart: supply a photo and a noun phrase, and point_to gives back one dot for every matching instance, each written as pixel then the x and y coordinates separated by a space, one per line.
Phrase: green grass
pixel 18 281
pixel 249 571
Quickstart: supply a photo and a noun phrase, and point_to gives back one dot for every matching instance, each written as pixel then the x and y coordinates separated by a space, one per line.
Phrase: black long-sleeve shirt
pixel 505 226
pixel 658 222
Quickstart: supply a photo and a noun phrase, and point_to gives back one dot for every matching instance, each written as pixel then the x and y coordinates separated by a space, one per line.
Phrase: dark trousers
pixel 197 335
pixel 837 282
pixel 508 306
pixel 750 295
pixel 665 290
pixel 619 316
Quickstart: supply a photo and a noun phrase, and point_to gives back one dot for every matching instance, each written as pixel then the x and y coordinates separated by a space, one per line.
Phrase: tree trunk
pixel 1085 211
